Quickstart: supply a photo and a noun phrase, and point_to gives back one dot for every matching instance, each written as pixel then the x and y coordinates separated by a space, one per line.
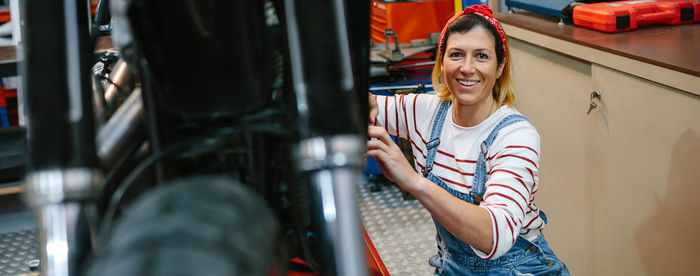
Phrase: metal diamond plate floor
pixel 401 230
pixel 16 250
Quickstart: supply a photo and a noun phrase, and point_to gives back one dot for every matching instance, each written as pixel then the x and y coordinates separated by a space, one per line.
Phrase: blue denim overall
pixel 456 257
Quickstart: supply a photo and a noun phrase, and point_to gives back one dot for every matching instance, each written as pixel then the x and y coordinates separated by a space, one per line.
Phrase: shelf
pixel 9 188
pixel 8 56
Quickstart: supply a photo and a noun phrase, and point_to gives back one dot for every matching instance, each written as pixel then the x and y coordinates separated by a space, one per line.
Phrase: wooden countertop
pixel 676 47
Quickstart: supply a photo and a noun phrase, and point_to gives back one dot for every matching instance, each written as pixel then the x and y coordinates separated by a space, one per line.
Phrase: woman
pixel 477 155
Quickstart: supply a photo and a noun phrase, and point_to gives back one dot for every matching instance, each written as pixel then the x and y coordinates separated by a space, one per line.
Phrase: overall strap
pixel 480 174
pixel 434 141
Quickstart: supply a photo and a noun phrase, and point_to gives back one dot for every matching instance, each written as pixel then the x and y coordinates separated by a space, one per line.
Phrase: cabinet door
pixel 620 185
pixel 643 168
pixel 553 91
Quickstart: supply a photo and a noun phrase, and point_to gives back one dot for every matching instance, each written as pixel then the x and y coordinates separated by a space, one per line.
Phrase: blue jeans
pixel 456 257
pixel 525 258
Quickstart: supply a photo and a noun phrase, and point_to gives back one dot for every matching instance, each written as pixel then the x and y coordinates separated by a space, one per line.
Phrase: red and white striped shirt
pixel 512 162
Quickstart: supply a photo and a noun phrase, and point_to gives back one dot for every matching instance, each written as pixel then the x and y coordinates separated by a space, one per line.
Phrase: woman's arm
pixel 373 109
pixel 469 223
pixel 494 225
pixel 391 113
pixel 512 162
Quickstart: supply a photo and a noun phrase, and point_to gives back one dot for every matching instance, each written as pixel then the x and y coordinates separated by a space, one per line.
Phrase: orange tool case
pixel 628 15
pixel 410 20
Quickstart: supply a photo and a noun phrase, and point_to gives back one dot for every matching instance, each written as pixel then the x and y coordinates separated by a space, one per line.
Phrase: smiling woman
pixel 478 156
pixel 478 50
pixel 470 71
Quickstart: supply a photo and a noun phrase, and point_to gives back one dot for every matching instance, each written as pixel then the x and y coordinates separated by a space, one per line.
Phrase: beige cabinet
pixel 621 185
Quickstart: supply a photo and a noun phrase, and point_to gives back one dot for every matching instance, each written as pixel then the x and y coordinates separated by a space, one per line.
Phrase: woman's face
pixel 470 67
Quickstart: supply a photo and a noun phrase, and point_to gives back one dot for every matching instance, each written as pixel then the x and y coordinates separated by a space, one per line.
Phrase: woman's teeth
pixel 467 83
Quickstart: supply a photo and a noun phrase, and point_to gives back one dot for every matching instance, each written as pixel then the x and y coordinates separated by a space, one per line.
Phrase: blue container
pixel 4 118
pixel 467 3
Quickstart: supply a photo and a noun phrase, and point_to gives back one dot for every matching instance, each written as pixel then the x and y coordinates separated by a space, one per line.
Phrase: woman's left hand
pixel 391 160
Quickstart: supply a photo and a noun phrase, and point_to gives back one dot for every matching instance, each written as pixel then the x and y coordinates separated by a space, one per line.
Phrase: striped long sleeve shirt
pixel 512 162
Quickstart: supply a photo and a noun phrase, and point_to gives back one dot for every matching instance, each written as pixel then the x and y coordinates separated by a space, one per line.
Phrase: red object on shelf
pixel 3 101
pixel 629 15
pixel 416 62
pixel 8 98
pixel 409 20
pixel 4 16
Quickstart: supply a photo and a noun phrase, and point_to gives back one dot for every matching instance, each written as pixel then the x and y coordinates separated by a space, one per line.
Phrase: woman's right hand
pixel 373 109
pixel 391 160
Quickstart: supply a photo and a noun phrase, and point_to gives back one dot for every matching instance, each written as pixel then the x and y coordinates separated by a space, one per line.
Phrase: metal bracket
pixel 395 54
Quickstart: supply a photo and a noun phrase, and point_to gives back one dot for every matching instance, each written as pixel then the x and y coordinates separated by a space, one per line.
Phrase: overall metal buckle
pixel 484 148
pixel 477 199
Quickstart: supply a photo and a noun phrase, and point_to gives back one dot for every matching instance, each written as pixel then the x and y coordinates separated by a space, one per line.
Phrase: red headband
pixel 481 10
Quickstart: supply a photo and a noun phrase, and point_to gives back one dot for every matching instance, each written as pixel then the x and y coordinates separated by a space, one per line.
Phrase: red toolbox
pixel 628 15
pixel 409 19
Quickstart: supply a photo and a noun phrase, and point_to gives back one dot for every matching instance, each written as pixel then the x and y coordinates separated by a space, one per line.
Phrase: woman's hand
pixel 391 160
pixel 373 109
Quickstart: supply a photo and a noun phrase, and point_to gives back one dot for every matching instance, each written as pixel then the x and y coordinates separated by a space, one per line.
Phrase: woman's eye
pixel 482 56
pixel 455 54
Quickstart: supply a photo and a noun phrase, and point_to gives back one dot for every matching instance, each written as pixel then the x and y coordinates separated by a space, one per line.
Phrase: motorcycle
pixel 220 137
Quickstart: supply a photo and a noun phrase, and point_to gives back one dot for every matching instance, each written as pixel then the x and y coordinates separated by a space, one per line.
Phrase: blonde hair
pixel 502 93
